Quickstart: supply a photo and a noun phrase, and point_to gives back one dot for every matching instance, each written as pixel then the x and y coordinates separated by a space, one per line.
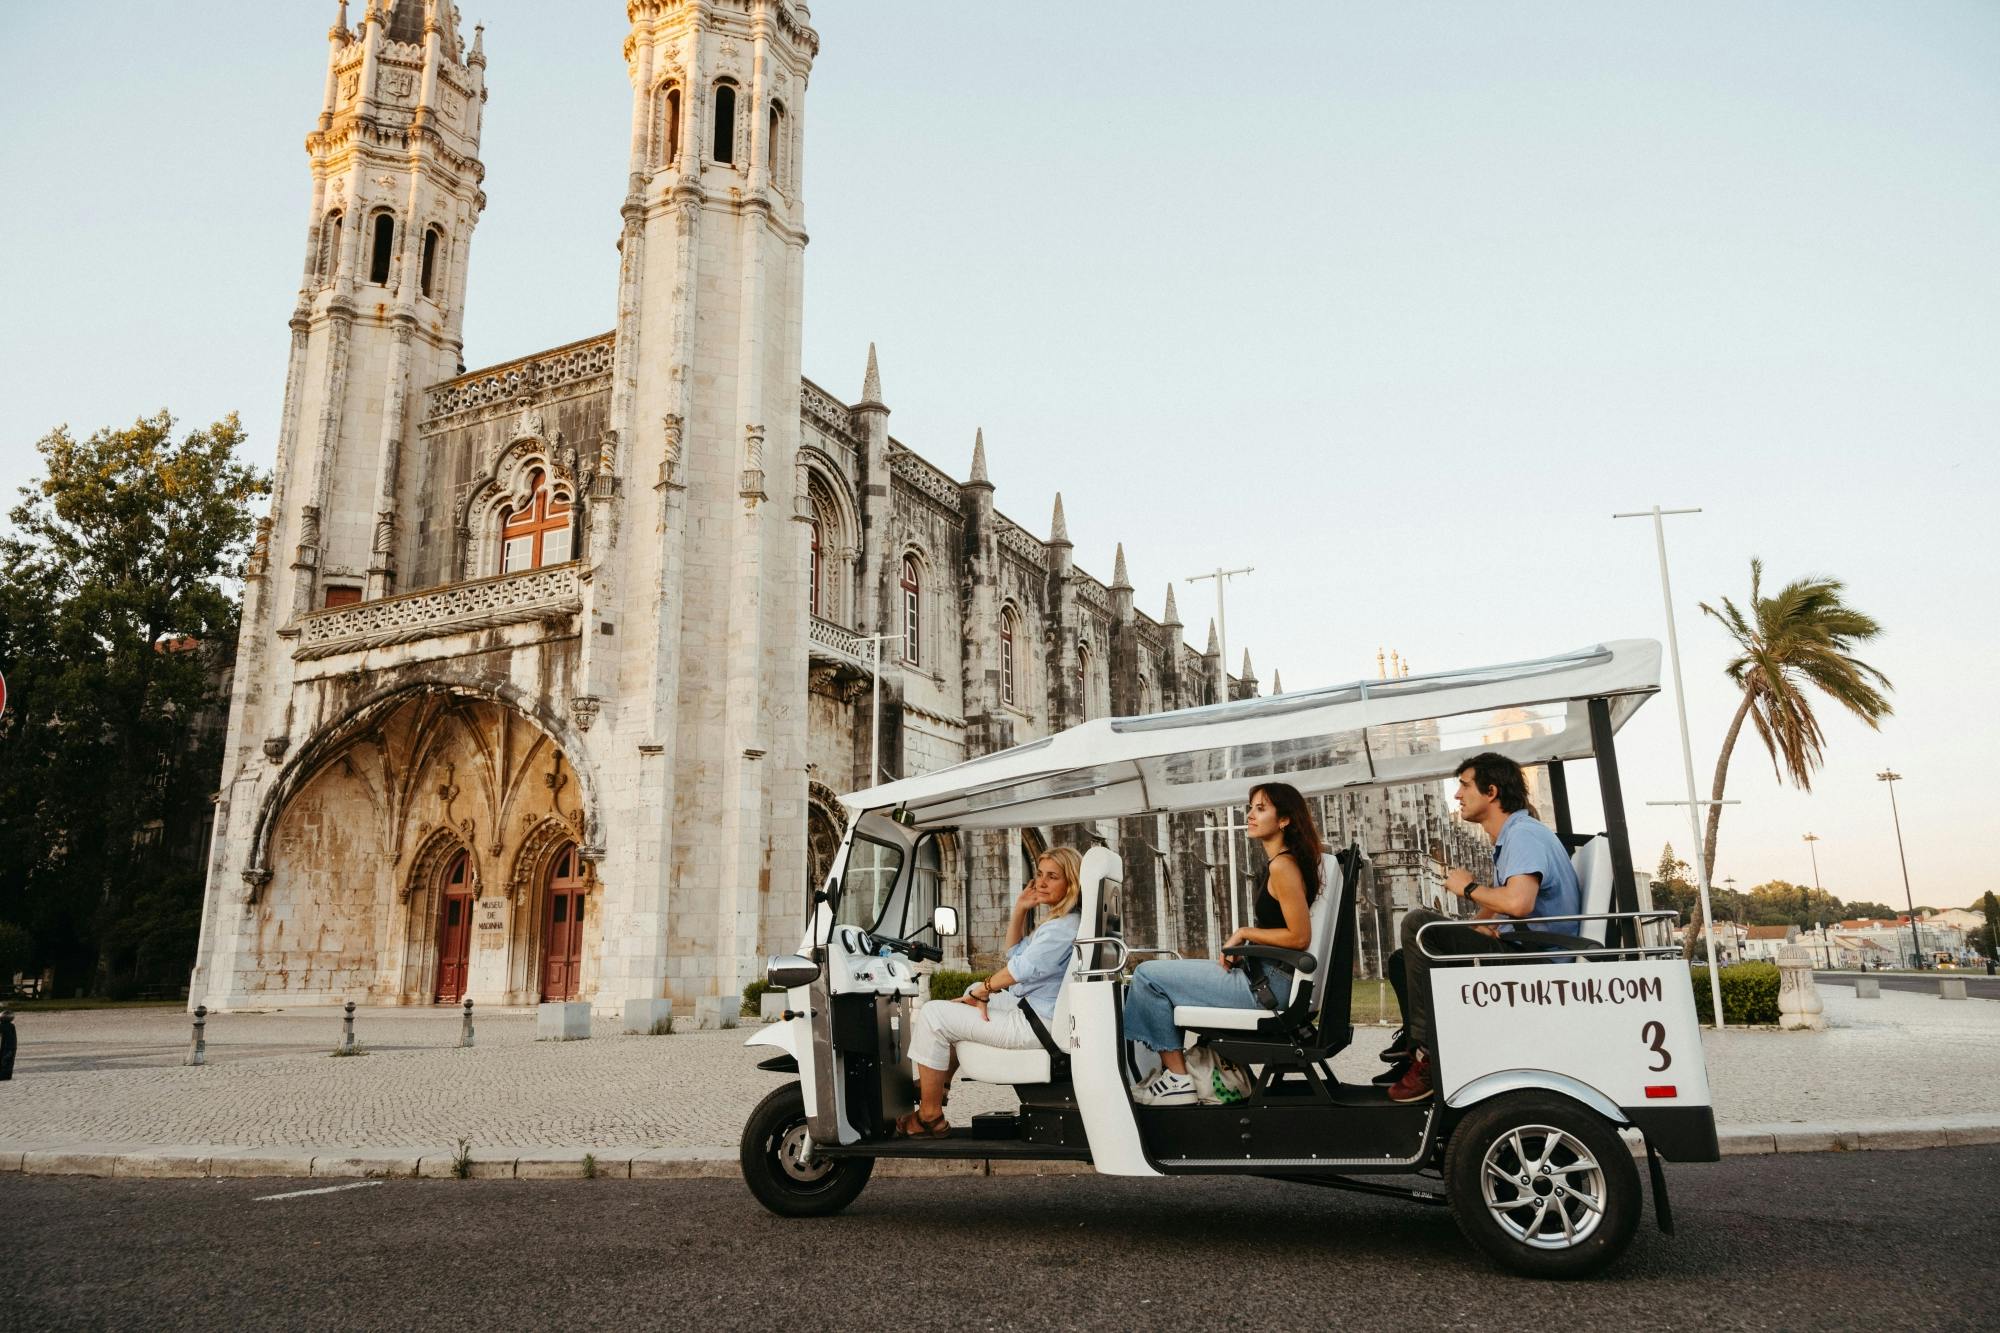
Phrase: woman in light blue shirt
pixel 990 1011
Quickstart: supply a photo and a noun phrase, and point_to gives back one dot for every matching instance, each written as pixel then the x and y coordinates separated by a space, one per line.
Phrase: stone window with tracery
pixel 536 532
pixel 1007 658
pixel 913 610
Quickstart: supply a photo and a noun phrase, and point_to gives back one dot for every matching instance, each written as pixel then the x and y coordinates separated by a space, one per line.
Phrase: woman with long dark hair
pixel 1280 916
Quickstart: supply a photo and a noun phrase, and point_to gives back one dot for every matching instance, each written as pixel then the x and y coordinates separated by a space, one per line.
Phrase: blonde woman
pixel 990 1011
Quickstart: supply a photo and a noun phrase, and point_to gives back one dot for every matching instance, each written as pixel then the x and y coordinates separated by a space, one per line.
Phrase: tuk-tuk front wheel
pixel 1542 1185
pixel 781 1170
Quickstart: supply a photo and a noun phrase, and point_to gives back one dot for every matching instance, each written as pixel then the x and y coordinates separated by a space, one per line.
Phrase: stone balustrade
pixel 506 599
pixel 841 642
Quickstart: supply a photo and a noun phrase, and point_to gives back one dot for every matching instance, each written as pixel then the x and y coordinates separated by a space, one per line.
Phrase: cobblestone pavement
pixel 114 1077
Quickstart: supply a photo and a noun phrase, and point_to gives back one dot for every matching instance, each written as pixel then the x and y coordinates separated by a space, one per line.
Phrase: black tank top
pixel 1266 913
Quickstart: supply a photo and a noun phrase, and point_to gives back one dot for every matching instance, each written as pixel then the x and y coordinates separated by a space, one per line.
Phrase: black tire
pixel 771 1140
pixel 1542 1184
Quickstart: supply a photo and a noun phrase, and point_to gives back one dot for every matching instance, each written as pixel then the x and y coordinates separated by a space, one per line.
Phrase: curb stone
pixel 188 1161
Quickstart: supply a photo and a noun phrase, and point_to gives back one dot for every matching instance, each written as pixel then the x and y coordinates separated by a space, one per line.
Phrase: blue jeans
pixel 1165 982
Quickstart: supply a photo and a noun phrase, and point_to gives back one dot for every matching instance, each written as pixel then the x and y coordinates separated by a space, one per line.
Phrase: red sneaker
pixel 1415 1084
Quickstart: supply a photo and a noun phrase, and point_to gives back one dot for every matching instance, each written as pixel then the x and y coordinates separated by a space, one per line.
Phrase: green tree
pixel 1990 905
pixel 1793 643
pixel 1866 911
pixel 1782 903
pixel 1672 889
pixel 117 627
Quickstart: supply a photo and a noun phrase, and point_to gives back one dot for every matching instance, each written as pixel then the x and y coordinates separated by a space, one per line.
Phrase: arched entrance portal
pixel 562 925
pixel 454 931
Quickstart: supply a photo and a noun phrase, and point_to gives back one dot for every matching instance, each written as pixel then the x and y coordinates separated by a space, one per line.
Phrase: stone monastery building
pixel 550 672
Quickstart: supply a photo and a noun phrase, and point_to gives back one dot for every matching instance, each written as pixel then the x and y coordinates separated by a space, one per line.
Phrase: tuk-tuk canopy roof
pixel 1368 733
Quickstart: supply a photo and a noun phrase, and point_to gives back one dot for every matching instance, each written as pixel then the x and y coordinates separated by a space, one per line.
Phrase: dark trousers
pixel 1410 964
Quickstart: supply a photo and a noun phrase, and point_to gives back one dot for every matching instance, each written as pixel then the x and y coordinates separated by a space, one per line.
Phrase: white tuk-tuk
pixel 1553 1068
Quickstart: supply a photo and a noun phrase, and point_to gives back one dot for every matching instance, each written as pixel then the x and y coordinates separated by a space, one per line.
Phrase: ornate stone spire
pixel 979 477
pixel 871 383
pixel 478 56
pixel 1058 528
pixel 1119 579
pixel 1214 648
pixel 1247 674
pixel 1277 683
pixel 1173 614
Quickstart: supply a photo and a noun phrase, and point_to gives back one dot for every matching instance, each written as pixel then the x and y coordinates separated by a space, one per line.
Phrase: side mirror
pixel 790 971
pixel 945 921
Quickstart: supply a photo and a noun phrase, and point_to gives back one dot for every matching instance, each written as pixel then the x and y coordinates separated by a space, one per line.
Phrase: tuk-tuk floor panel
pixel 958 1146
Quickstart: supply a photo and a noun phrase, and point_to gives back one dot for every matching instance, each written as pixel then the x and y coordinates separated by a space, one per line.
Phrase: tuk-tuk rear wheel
pixel 779 1168
pixel 1543 1185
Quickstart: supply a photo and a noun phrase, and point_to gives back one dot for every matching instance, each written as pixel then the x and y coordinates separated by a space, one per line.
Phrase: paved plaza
pixel 112 1081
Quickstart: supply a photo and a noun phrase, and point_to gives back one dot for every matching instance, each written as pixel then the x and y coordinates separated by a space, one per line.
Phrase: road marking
pixel 330 1189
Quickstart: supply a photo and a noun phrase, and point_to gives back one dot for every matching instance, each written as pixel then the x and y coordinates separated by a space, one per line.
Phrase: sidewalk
pixel 104 1091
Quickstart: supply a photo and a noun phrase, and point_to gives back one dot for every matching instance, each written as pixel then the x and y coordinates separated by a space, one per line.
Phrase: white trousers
pixel 943 1022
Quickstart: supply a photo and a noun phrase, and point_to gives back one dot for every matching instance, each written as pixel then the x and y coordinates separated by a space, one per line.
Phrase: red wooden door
pixel 562 927
pixel 454 931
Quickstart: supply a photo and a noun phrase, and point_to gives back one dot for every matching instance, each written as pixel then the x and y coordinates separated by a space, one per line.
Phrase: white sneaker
pixel 1165 1088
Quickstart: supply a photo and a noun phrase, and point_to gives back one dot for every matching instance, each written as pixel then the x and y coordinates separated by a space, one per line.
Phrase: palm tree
pixel 1803 636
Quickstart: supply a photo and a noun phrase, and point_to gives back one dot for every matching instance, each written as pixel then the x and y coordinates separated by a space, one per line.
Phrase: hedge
pixel 753 994
pixel 1749 993
pixel 948 983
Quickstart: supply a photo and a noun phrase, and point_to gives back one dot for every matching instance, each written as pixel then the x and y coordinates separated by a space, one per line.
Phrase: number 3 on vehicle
pixel 1654 1034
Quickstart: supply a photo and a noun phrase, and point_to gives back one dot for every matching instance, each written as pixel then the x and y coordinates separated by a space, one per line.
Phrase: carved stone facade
pixel 595 629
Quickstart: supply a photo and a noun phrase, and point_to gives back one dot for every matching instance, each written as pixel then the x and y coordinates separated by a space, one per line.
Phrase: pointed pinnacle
pixel 1248 674
pixel 1119 579
pixel 1214 643
pixel 979 457
pixel 1058 528
pixel 871 383
pixel 1277 683
pixel 1173 615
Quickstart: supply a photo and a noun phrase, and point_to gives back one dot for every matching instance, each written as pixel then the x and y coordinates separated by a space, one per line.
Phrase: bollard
pixel 465 1033
pixel 197 1044
pixel 7 1040
pixel 347 1035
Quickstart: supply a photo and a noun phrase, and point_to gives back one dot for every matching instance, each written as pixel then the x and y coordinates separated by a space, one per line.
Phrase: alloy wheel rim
pixel 1543 1186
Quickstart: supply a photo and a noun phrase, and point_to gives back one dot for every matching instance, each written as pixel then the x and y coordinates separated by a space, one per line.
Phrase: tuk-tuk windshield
pixel 869 882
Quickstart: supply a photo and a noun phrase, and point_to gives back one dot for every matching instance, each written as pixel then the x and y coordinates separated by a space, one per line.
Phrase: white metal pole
pixel 1687 752
pixel 1221 577
pixel 875 714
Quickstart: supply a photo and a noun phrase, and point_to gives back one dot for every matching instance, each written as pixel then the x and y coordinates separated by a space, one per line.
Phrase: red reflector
pixel 1662 1090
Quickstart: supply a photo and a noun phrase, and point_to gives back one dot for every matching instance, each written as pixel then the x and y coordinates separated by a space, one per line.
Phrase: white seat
pixel 1593 878
pixel 1325 913
pixel 992 1064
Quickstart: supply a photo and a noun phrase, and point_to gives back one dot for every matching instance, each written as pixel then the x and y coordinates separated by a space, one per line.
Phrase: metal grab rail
pixel 1088 973
pixel 1636 951
pixel 1157 953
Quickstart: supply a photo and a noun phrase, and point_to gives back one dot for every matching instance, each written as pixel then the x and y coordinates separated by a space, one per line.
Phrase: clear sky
pixel 1395 302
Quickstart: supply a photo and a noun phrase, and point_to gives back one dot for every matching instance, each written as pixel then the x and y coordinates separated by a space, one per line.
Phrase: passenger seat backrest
pixel 1325 912
pixel 1099 864
pixel 1336 979
pixel 1593 878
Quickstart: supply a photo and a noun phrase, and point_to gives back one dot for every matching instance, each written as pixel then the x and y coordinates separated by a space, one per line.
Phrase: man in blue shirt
pixel 1532 877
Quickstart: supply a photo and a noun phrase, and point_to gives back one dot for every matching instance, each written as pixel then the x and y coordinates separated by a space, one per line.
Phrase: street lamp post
pixel 1221 577
pixel 1810 839
pixel 1694 806
pixel 1916 941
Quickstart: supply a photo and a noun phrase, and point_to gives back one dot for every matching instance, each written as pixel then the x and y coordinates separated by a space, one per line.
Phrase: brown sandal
pixel 914 1126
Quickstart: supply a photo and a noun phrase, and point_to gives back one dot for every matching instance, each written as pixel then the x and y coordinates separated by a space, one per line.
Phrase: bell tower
pixel 709 520
pixel 395 195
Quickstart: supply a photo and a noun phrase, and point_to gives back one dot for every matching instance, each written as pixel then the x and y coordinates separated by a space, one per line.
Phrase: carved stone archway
pixel 418 891
pixel 826 825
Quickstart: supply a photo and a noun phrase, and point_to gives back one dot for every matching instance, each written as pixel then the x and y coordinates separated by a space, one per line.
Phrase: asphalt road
pixel 1878 1240
pixel 1978 985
